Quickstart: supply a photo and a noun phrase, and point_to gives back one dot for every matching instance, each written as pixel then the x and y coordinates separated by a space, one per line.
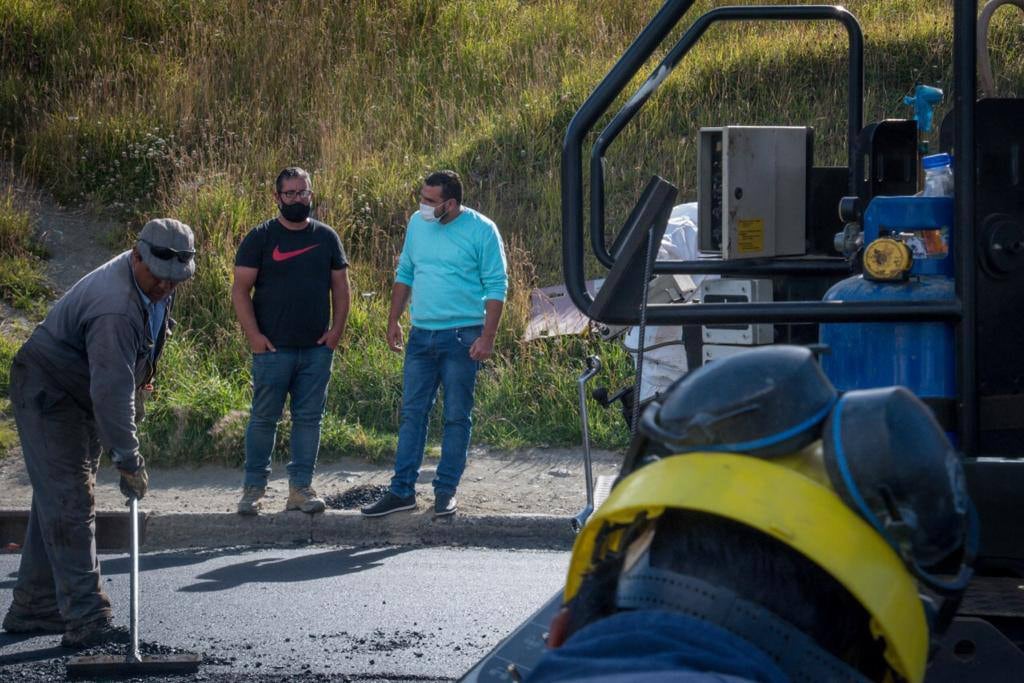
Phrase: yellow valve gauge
pixel 887 259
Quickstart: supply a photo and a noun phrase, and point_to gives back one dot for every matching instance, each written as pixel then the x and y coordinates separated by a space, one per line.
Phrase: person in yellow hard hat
pixel 812 565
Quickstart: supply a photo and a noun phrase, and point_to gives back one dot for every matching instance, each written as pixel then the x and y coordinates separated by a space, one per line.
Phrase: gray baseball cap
pixel 168 248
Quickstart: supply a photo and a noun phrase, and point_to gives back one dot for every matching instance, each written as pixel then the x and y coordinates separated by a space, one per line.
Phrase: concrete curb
pixel 211 530
pixel 166 531
pixel 113 528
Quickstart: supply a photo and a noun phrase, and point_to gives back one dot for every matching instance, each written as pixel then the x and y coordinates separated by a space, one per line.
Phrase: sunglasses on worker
pixel 166 253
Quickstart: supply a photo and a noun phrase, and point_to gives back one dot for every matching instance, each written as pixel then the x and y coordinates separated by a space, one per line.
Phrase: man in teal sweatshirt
pixel 453 268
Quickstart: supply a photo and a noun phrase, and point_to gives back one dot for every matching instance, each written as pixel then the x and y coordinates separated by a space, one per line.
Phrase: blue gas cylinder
pixel 919 356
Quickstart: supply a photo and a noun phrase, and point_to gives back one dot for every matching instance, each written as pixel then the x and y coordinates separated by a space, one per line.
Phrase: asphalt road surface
pixel 317 613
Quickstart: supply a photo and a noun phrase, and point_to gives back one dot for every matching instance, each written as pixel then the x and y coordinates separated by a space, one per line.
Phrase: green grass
pixel 526 396
pixel 8 433
pixel 22 283
pixel 182 107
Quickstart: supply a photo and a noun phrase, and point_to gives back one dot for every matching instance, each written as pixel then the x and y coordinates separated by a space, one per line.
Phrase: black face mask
pixel 296 213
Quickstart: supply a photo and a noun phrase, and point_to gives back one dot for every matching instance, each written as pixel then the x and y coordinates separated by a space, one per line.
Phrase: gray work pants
pixel 59 569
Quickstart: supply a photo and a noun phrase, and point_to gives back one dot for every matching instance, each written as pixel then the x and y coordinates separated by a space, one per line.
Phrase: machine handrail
pixel 582 122
pixel 799 312
pixel 854 106
pixel 961 309
pixel 826 265
pixel 572 187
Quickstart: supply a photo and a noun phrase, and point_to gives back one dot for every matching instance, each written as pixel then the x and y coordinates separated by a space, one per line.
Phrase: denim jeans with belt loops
pixel 302 373
pixel 436 358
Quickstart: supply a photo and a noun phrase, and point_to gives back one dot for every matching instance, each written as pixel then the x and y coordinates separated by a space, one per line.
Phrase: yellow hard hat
pixel 790 499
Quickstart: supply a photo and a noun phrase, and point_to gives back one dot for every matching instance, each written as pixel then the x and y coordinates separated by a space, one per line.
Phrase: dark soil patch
pixel 382 641
pixel 49 666
pixel 121 648
pixel 356 497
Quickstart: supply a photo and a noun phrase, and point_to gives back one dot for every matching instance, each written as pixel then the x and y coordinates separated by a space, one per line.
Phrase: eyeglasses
pixel 166 253
pixel 296 194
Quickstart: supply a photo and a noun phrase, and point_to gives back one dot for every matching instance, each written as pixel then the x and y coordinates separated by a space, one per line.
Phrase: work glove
pixel 134 484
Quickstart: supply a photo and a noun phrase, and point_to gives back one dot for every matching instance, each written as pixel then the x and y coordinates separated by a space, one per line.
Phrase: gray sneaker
pixel 250 503
pixel 388 504
pixel 304 499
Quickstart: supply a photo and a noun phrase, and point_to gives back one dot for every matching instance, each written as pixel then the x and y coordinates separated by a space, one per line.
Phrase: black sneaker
pixel 388 504
pixel 444 505
pixel 94 633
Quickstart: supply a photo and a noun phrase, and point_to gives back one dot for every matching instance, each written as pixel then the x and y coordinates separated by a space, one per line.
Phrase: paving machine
pixel 890 285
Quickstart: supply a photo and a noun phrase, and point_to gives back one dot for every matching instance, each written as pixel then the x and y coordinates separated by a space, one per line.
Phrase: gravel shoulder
pixel 530 481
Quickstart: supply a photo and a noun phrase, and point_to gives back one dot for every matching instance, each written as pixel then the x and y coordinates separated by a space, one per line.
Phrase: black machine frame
pixel 986 639
pixel 991 620
pixel 960 311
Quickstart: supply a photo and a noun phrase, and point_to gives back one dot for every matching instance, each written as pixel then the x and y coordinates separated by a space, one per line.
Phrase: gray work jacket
pixel 95 343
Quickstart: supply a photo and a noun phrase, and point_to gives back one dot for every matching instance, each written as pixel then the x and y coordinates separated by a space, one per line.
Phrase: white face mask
pixel 427 213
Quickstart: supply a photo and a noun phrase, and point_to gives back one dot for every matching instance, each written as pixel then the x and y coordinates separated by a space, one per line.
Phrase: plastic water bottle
pixel 938 175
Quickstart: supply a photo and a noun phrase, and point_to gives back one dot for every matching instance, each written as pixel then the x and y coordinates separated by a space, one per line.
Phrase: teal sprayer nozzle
pixel 924 99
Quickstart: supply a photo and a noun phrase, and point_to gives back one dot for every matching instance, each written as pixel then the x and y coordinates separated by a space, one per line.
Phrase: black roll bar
pixel 854 103
pixel 582 122
pixel 572 211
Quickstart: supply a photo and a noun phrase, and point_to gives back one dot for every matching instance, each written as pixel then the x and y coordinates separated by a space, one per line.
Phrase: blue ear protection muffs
pixel 889 460
pixel 766 402
pixel 885 454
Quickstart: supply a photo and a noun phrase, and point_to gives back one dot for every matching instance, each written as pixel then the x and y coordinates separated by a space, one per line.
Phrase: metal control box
pixel 752 190
pixel 744 291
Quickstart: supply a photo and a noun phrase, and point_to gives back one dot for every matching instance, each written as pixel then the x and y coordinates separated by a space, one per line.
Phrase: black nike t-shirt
pixel 292 296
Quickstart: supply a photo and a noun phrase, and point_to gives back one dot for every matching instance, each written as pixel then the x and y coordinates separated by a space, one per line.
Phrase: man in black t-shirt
pixel 291 296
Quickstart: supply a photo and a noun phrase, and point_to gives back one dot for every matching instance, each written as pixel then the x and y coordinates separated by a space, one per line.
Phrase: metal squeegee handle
pixel 133 656
pixel 593 367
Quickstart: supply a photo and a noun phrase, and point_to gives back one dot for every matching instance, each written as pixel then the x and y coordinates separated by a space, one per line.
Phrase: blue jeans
pixel 436 358
pixel 302 373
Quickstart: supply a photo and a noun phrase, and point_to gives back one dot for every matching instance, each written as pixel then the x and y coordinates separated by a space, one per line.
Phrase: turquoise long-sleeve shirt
pixel 452 269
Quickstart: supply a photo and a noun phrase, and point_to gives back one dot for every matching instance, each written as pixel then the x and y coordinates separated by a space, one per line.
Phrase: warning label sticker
pixel 750 236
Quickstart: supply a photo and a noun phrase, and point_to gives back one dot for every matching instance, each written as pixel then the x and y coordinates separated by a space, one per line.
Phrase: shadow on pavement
pixel 303 568
pixel 147 562
pixel 164 560
pixel 44 653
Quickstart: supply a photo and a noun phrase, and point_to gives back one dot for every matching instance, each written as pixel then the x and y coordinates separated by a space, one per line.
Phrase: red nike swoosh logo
pixel 279 255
